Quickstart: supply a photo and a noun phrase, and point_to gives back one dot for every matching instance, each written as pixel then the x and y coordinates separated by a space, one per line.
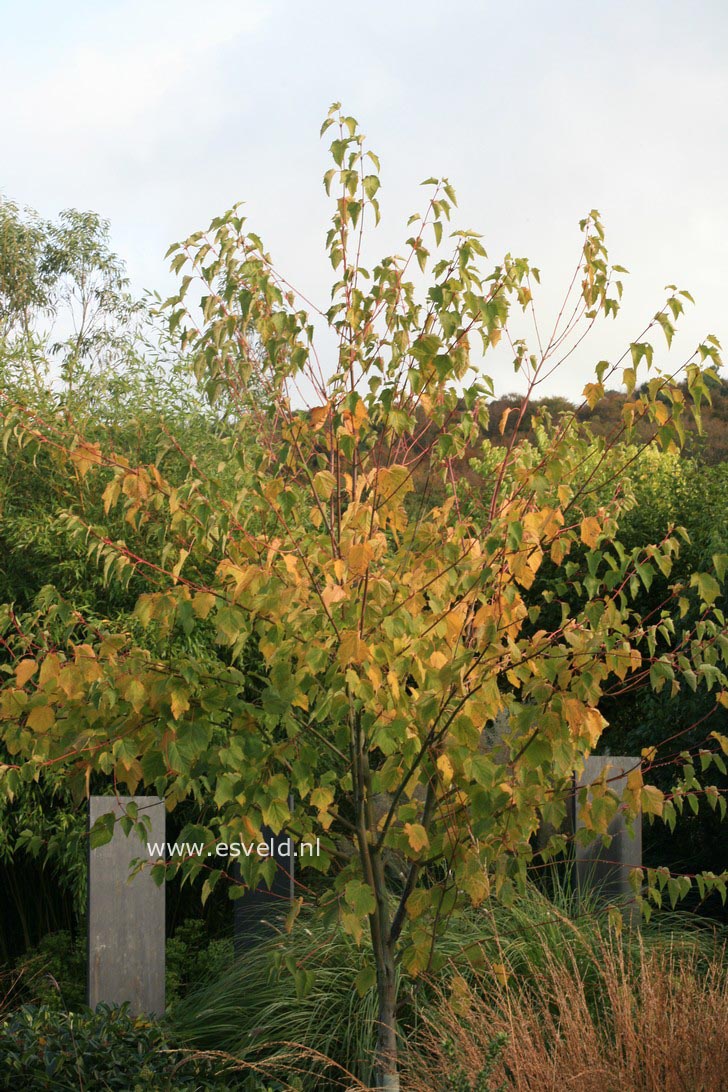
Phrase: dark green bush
pixel 53 973
pixel 105 1049
pixel 193 958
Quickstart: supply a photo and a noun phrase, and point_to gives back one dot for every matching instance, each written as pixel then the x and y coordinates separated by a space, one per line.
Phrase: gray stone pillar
pixel 126 917
pixel 604 870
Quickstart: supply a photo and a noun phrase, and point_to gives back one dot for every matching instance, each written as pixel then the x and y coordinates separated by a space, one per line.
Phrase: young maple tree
pixel 403 581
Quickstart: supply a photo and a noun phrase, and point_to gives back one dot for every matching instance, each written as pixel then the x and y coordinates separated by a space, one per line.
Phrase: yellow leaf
pixel 444 765
pixel 135 694
pixel 88 666
pixel 135 485
pixel 333 593
pixel 110 494
pixel 352 925
pixel 583 721
pixel 544 523
pixel 501 972
pixel 374 675
pixel 590 531
pixel 525 564
pixel 179 703
pixel 594 725
pixel 85 455
pixel 183 555
pixel 161 482
pixel 504 419
pixel 291 564
pixel 454 620
pixel 484 614
pixel 721 740
pixel 438 660
pixel 41 718
pixel 324 484
pixel 318 415
pixel 354 421
pixel 49 668
pixel 662 413
pixel 653 800
pixel 25 670
pixel 559 549
pixel 70 680
pixel 633 791
pixel 593 392
pixel 202 604
pixel 416 836
pixel 618 662
pixel 359 558
pixel 352 649
pixel 321 797
pixel 239 575
pixel 395 480
pixel 573 711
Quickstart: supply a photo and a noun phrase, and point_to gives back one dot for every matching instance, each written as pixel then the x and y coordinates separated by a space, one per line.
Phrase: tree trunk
pixel 386 1075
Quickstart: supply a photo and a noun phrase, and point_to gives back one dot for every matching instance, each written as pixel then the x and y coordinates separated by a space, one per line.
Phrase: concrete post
pixel 126 917
pixel 604 870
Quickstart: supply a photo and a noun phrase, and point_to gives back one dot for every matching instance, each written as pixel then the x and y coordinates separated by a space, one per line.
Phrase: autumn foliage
pixel 394 607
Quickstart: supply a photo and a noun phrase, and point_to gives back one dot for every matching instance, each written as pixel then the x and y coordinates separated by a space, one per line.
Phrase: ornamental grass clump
pixel 301 1006
pixel 648 1017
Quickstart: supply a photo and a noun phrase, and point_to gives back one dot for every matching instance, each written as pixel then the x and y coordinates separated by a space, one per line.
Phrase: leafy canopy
pixel 388 596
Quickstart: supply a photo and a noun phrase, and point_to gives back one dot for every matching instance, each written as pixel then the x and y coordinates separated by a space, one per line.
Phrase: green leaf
pixel 365 980
pixel 102 831
pixel 720 562
pixel 360 897
pixel 276 814
pixel 708 587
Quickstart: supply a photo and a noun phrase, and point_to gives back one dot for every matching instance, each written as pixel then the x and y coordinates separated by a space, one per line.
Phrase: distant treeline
pixel 604 419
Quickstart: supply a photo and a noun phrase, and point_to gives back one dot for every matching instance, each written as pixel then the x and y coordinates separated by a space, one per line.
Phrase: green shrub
pixel 53 973
pixel 192 958
pixel 104 1049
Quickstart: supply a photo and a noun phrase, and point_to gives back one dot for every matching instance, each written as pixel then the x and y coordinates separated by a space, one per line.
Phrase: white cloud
pixel 160 113
pixel 140 65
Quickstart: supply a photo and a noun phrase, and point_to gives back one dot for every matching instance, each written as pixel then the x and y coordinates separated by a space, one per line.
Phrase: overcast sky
pixel 159 114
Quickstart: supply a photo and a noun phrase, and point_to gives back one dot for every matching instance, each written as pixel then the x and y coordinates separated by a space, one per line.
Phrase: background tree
pixel 89 360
